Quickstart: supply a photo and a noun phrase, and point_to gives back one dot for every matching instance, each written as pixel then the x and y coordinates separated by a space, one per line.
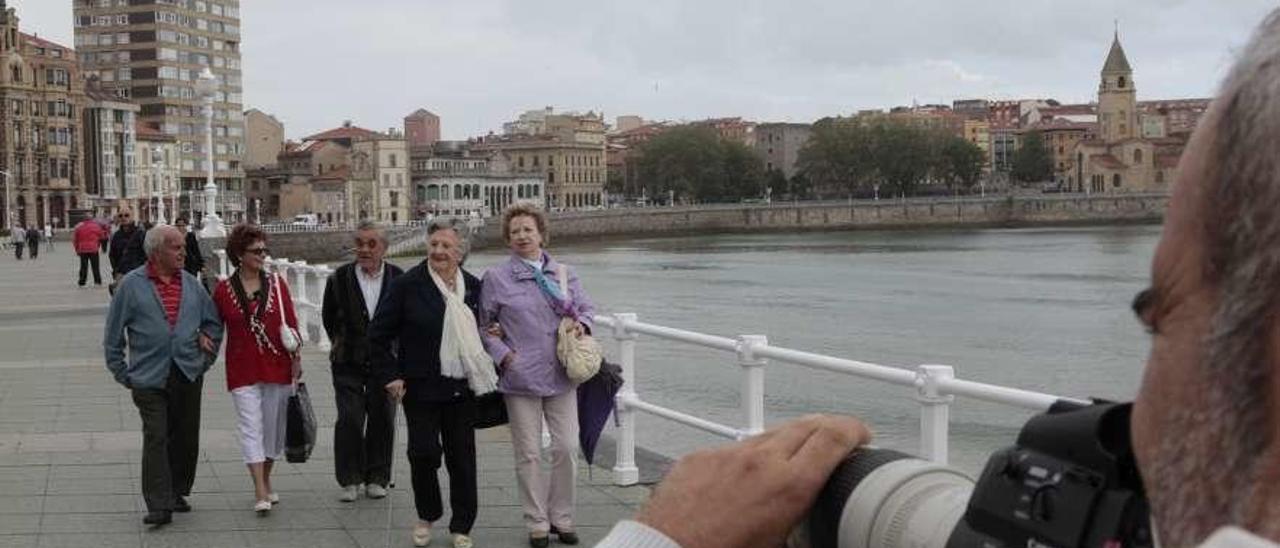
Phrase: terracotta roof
pixel 1108 161
pixel 344 132
pixel 1167 160
pixel 1116 60
pixel 41 42
pixel 422 113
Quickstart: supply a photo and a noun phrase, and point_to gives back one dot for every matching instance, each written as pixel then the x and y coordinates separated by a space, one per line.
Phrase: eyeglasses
pixel 259 251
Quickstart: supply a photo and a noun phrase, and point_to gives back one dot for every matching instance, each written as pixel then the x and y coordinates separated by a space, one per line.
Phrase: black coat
pixel 405 335
pixel 195 258
pixel 345 317
pixel 118 251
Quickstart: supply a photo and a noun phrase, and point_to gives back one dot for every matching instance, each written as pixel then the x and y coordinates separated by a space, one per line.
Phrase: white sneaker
pixel 350 493
pixel 421 534
pixel 273 498
pixel 375 491
pixel 462 541
pixel 262 507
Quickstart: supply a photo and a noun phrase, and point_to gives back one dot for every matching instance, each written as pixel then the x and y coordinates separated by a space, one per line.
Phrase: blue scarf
pixel 559 301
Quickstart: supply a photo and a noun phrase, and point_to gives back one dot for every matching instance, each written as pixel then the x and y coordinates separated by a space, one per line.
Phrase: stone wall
pixel 1010 211
pixel 1003 211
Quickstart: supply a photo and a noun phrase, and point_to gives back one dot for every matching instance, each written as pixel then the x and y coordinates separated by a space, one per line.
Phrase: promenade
pixel 70 448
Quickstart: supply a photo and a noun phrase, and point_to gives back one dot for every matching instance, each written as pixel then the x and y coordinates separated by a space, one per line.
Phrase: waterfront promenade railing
pixel 935 386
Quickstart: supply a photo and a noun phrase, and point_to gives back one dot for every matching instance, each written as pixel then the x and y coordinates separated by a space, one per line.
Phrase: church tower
pixel 1117 98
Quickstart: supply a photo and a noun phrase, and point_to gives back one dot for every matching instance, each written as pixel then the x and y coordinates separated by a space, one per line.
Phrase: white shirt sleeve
pixel 1234 537
pixel 633 534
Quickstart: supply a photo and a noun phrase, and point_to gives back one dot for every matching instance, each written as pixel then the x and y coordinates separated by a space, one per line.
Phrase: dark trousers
pixel 33 249
pixel 170 438
pixel 436 427
pixel 87 259
pixel 17 250
pixel 362 436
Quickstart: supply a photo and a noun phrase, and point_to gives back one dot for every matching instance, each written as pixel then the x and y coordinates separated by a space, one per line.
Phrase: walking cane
pixel 391 479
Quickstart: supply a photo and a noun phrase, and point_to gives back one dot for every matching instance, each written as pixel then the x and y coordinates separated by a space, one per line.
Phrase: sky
pixel 479 63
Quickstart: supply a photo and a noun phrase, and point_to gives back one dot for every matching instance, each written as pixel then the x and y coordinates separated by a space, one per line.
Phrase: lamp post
pixel 8 211
pixel 159 184
pixel 206 87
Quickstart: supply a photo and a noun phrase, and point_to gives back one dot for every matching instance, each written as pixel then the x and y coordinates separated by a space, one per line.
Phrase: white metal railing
pixel 286 227
pixel 306 285
pixel 935 386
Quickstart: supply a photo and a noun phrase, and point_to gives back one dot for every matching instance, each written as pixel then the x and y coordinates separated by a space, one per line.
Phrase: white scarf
pixel 461 353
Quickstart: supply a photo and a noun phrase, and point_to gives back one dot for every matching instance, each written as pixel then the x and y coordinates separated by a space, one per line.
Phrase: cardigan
pixel 246 363
pixel 137 316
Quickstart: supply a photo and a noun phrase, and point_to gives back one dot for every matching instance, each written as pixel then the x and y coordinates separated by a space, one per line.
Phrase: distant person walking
pixel 126 231
pixel 33 242
pixel 85 239
pixel 195 259
pixel 48 236
pixel 162 335
pixel 17 239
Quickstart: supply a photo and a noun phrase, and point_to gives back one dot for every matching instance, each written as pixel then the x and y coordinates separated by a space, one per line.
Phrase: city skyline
pixel 478 66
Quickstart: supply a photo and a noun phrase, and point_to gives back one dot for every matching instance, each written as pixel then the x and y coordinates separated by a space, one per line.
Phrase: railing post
pixel 935 411
pixel 301 304
pixel 323 272
pixel 224 265
pixel 625 471
pixel 752 383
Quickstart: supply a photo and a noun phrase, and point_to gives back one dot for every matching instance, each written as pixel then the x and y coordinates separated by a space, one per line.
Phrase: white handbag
pixel 289 336
pixel 580 355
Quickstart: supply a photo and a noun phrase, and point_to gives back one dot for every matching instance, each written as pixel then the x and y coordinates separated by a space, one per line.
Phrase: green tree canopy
pixel 695 163
pixel 1031 163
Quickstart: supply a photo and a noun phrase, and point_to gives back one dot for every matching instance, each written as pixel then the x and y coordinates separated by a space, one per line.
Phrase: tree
pixel 838 157
pixel 963 163
pixel 695 163
pixel 1031 163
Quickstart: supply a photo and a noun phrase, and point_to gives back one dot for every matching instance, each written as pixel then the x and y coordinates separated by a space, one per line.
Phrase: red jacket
pixel 248 364
pixel 87 236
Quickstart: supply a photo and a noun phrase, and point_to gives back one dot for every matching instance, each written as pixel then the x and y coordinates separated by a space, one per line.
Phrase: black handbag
pixel 491 411
pixel 300 429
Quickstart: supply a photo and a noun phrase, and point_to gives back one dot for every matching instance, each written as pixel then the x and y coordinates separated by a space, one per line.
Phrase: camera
pixel 1069 481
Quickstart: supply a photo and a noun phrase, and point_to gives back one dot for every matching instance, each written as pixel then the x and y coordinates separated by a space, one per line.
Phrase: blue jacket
pixel 136 320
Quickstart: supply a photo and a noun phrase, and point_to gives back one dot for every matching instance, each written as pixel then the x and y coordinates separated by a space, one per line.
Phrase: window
pixel 1115 180
pixel 1137 156
pixel 1122 82
pixel 393 160
pixel 395 199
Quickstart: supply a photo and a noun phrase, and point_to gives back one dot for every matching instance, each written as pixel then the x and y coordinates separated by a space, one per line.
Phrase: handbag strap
pixel 280 301
pixel 562 273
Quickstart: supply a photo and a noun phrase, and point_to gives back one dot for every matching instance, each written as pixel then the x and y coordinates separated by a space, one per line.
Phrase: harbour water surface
pixel 1040 309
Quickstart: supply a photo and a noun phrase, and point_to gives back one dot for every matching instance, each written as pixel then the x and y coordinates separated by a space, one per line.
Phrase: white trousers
pixel 546 499
pixel 261 416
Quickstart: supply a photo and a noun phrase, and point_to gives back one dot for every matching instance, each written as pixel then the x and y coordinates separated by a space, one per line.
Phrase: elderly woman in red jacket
pixel 260 370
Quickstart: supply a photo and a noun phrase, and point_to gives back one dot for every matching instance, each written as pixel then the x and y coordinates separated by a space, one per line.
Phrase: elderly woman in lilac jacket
pixel 523 297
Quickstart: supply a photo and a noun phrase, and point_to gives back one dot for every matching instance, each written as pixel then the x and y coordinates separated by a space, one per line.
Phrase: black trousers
pixel 17 250
pixel 33 249
pixel 87 259
pixel 170 438
pixel 363 436
pixel 436 427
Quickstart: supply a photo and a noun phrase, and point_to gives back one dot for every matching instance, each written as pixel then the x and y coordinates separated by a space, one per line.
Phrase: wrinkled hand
pixel 494 330
pixel 395 389
pixel 507 360
pixel 296 367
pixel 578 329
pixel 207 345
pixel 752 493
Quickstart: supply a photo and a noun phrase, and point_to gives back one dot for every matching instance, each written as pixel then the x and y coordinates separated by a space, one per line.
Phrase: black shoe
pixel 158 517
pixel 566 537
pixel 180 505
pixel 539 542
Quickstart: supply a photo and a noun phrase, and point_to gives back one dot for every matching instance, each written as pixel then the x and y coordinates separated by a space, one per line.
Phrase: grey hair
pixel 1209 471
pixel 458 227
pixel 375 227
pixel 153 240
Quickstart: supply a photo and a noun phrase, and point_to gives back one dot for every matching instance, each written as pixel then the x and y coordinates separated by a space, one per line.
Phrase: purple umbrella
pixel 595 404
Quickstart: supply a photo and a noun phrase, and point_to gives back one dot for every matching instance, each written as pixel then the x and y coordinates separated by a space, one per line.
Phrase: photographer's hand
pixel 752 493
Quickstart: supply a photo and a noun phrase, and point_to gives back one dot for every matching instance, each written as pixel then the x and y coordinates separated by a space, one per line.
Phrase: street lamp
pixel 206 87
pixel 159 185
pixel 8 211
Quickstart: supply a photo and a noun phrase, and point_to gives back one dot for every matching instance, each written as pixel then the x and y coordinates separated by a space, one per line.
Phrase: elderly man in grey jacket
pixel 167 325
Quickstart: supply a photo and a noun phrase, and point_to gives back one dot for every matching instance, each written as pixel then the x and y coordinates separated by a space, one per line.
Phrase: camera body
pixel 1069 481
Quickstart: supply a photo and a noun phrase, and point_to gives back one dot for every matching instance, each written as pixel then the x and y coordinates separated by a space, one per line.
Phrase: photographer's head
pixel 1208 411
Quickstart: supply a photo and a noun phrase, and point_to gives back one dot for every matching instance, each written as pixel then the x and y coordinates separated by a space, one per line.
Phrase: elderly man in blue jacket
pixel 162 334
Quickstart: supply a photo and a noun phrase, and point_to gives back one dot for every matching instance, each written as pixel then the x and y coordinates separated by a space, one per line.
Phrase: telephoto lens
pixel 879 498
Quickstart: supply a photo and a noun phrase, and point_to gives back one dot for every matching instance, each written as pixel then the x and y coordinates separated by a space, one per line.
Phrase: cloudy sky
pixel 477 63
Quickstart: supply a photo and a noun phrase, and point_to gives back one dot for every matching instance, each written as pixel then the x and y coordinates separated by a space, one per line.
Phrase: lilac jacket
pixel 511 297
